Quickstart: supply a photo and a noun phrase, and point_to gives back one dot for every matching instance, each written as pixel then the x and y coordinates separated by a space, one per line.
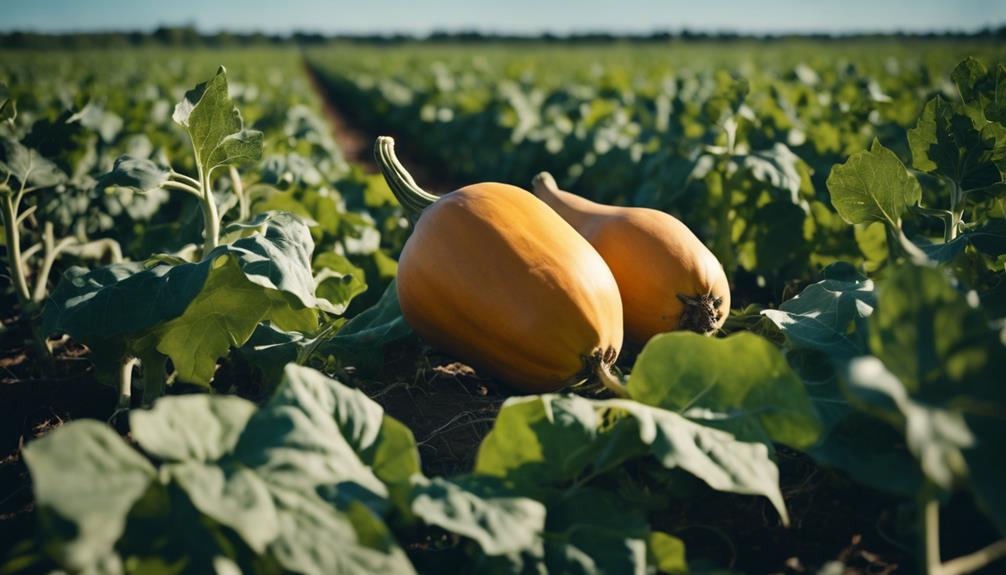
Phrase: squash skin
pixel 495 277
pixel 656 260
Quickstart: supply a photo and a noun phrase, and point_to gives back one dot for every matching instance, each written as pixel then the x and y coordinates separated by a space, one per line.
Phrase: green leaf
pixel 193 312
pixel 722 460
pixel 593 531
pixel 191 428
pixel 531 438
pixel 943 253
pixel 873 186
pixel 530 446
pixel 140 174
pixel 945 141
pixel 233 495
pixel 95 117
pixel 269 349
pixel 743 379
pixel 982 90
pixel 361 340
pixel 27 166
pixel 820 317
pixel 215 126
pixel 927 333
pixel 474 507
pixel 382 443
pixel 86 479
pixel 936 437
pixel 224 315
pixel 339 281
pixel 990 237
pixel 315 539
pixel 822 327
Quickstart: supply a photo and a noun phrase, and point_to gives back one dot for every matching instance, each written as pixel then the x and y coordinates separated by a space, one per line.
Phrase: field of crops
pixel 235 341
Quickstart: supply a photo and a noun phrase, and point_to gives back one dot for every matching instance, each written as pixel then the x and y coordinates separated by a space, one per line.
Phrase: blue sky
pixel 503 16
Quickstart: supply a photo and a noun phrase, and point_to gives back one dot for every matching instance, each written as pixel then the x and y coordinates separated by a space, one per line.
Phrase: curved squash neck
pixel 579 212
pixel 412 198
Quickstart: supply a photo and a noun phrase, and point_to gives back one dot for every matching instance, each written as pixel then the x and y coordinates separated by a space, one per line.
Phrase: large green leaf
pixel 477 508
pixel 722 460
pixel 381 442
pixel 293 480
pixel 982 90
pixel 215 126
pixel 193 312
pixel 928 334
pixel 743 380
pixel 531 441
pixel 593 531
pixel 873 186
pixel 945 141
pixel 530 446
pixel 937 437
pixel 86 479
pixel 936 379
pixel 824 327
pixel 191 428
pixel 821 316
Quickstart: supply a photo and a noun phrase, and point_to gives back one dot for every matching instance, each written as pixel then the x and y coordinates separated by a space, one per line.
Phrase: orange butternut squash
pixel 495 277
pixel 667 277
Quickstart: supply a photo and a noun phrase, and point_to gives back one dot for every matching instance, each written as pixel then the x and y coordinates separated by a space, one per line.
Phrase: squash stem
pixel 413 198
pixel 600 367
pixel 610 382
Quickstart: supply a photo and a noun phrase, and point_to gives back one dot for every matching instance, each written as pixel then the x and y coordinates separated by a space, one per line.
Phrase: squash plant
pixel 320 480
pixel 35 192
pixel 192 312
pixel 219 140
pixel 909 365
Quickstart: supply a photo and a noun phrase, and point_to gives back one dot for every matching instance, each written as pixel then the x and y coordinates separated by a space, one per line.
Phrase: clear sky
pixel 525 16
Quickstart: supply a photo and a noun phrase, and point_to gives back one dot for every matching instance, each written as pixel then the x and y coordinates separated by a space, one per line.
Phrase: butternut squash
pixel 495 277
pixel 667 277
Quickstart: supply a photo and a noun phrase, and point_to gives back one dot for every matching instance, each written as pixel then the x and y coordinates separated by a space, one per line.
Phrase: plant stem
pixel 155 374
pixel 243 209
pixel 52 250
pixel 929 532
pixel 413 198
pixel 180 176
pixel 605 376
pixel 956 213
pixel 183 187
pixel 126 382
pixel 724 225
pixel 12 237
pixel 211 219
pixel 975 561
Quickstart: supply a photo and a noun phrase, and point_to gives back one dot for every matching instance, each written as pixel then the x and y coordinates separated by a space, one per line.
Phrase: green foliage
pixel 215 126
pixel 867 341
pixel 136 310
pixel 740 383
pixel 873 186
pixel 293 479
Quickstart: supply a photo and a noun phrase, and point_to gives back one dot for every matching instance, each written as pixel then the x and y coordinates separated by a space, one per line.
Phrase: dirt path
pixel 357 142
